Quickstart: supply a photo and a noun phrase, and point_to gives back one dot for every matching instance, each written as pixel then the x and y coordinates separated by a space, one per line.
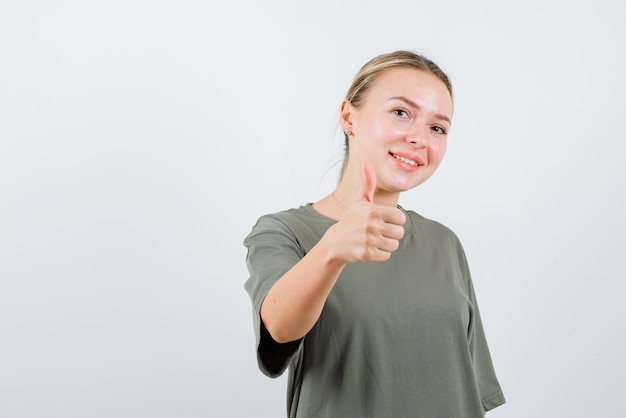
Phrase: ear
pixel 346 115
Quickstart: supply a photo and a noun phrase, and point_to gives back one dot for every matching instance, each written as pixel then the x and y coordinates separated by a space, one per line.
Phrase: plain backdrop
pixel 140 141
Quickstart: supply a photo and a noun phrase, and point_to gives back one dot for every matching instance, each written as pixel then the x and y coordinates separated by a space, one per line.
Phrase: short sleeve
pixel 491 394
pixel 272 250
pixel 485 380
pixel 488 386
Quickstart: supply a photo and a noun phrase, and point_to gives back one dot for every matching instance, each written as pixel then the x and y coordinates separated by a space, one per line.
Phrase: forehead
pixel 416 85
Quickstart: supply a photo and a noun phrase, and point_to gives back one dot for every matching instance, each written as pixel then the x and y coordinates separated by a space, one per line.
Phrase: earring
pixel 349 133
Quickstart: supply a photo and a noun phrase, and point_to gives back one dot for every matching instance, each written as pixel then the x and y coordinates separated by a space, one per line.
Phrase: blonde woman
pixel 371 306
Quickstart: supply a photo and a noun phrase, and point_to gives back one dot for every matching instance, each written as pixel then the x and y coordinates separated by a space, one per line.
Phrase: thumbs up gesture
pixel 367 232
pixel 368 187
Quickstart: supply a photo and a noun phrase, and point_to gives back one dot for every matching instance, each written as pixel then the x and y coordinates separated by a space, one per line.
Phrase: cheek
pixel 438 151
pixel 384 129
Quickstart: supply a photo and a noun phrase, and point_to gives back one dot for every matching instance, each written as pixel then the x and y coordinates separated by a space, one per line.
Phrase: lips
pixel 414 161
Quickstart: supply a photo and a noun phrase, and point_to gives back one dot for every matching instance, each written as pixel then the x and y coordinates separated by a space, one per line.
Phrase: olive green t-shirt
pixel 400 338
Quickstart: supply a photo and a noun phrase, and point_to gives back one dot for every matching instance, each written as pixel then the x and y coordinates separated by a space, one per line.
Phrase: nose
pixel 417 135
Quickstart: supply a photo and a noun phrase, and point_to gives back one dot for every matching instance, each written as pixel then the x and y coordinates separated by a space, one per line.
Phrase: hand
pixel 367 232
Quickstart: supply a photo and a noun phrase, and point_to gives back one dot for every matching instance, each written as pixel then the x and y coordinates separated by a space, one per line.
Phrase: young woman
pixel 371 306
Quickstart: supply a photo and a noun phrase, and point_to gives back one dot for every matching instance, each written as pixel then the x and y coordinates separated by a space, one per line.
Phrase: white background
pixel 140 141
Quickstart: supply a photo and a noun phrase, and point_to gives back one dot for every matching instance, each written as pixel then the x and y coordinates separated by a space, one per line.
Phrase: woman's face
pixel 401 128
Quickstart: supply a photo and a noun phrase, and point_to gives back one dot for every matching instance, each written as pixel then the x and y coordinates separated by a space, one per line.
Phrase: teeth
pixel 405 160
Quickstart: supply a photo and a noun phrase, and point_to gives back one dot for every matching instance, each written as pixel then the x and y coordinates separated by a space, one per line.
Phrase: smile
pixel 405 160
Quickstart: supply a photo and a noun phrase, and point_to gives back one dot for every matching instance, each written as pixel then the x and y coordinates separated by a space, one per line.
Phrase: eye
pixel 439 130
pixel 401 112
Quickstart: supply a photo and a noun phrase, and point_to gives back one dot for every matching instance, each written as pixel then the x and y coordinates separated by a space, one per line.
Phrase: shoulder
pixel 286 220
pixel 437 239
pixel 421 224
pixel 302 225
pixel 433 234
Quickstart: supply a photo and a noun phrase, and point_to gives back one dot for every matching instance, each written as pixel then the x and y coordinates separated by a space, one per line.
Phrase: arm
pixel 295 302
pixel 367 232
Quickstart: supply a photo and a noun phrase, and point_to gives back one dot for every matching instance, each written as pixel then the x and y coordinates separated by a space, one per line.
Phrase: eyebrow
pixel 415 105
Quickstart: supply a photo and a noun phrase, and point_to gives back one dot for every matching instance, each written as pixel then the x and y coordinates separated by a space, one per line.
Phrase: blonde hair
pixel 367 75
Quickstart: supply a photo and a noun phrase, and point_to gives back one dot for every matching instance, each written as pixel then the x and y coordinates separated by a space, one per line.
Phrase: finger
pixel 391 231
pixel 393 216
pixel 383 251
pixel 369 183
pixel 388 245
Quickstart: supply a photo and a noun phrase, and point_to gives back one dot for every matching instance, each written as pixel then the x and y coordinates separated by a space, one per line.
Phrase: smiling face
pixel 401 129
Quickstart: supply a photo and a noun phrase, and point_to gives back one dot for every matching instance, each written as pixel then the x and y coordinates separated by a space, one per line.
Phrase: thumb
pixel 369 183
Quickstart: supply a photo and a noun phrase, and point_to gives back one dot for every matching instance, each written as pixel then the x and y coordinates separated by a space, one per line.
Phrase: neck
pixel 347 192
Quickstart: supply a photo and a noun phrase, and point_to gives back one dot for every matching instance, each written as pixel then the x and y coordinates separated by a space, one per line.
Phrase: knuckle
pixel 372 212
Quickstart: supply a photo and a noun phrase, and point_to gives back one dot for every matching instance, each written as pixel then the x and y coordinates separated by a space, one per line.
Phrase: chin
pixel 403 186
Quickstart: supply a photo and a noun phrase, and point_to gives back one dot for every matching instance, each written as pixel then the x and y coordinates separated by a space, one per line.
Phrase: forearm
pixel 294 303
